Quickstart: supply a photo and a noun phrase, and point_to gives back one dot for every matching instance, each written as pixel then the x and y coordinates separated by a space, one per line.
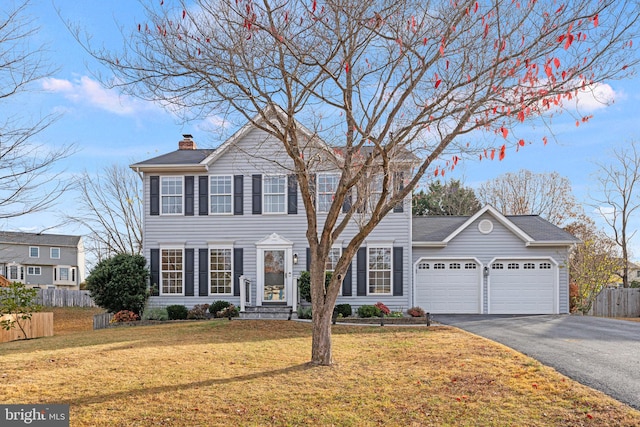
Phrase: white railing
pixel 245 292
pixel 294 299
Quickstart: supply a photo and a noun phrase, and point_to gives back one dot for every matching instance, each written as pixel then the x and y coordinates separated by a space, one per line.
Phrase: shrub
pixel 218 306
pixel 230 311
pixel 18 302
pixel 177 312
pixel 120 283
pixel 383 308
pixel 199 311
pixel 397 314
pixel 344 309
pixel 124 316
pixel 155 313
pixel 304 312
pixel 368 311
pixel 304 284
pixel 416 312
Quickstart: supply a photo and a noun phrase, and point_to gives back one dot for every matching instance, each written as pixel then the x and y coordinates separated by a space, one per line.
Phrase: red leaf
pixel 442 49
pixel 502 152
pixel 521 142
pixel 544 139
pixel 438 83
pixel 505 132
pixel 475 8
pixel 184 13
pixel 590 416
pixel 346 67
pixel 567 43
pixel 556 62
pixel 314 5
pixel 548 71
pixel 521 115
pixel 436 172
pixel 424 41
pixel 493 153
pixel 596 21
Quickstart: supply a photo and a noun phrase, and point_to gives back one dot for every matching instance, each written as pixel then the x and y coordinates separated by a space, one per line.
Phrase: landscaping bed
pixel 385 320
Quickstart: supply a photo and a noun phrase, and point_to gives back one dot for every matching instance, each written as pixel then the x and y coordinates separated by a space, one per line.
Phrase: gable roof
pixel 439 230
pixel 36 239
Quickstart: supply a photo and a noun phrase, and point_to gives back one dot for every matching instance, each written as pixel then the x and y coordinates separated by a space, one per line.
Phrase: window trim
pixel 318 193
pixel 162 195
pixel 230 195
pixel 51 253
pixel 265 194
pixel 224 247
pixel 37 248
pixel 70 279
pixel 161 271
pixel 380 246
pixel 34 268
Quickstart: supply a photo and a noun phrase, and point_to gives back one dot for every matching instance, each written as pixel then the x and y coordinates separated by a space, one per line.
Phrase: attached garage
pixel 523 287
pixel 449 285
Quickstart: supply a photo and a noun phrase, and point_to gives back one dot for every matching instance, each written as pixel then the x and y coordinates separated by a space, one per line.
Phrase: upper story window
pixel 171 195
pixel 379 271
pixel 333 258
pixel 55 253
pixel 375 191
pixel 220 187
pixel 34 252
pixel 274 193
pixel 326 189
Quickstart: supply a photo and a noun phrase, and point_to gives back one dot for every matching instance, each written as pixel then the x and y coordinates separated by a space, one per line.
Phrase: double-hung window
pixel 54 253
pixel 221 270
pixel 379 269
pixel 34 271
pixel 326 189
pixel 220 194
pixel 274 193
pixel 333 258
pixel 171 195
pixel 34 252
pixel 375 191
pixel 172 271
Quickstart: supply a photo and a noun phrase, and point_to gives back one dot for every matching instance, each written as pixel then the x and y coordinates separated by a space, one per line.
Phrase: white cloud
pixel 85 91
pixel 595 97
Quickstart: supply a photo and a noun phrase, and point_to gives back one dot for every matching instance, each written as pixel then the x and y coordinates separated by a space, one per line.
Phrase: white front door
pixel 274 270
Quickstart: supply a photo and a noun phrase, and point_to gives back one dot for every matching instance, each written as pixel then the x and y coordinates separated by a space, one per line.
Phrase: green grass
pixel 256 373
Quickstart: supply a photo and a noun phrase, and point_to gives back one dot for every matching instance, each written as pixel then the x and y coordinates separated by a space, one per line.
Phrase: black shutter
pixel 238 195
pixel 397 272
pixel 203 272
pixel 203 195
pixel 398 181
pixel 308 259
pixel 361 272
pixel 346 203
pixel 154 194
pixel 292 194
pixel 189 272
pixel 256 194
pixel 346 283
pixel 237 270
pixel 188 195
pixel 154 263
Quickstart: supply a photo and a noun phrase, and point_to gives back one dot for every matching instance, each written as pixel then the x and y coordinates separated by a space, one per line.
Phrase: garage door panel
pixel 522 287
pixel 448 286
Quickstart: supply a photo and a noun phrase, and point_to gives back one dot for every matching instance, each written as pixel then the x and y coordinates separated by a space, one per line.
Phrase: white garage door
pixel 522 287
pixel 448 286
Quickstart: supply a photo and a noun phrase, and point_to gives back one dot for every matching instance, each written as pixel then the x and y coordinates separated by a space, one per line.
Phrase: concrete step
pixel 268 312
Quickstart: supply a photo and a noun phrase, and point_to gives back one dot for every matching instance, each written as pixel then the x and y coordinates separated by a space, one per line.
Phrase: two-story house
pixel 42 260
pixel 228 224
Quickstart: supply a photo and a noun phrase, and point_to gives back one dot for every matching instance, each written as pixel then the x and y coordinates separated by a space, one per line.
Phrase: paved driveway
pixel 601 353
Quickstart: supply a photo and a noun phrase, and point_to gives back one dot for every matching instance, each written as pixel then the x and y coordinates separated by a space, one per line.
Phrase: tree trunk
pixel 321 340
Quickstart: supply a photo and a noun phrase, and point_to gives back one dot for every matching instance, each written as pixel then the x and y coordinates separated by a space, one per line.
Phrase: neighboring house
pixel 42 260
pixel 228 224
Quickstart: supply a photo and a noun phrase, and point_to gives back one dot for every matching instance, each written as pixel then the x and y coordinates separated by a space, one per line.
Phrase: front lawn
pixel 255 373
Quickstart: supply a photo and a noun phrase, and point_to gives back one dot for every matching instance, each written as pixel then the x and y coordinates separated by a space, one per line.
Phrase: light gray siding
pixel 500 243
pixel 255 154
pixel 12 254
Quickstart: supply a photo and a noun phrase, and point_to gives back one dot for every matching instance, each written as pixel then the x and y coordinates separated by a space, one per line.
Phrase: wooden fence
pixel 64 298
pixel 102 321
pixel 40 325
pixel 617 303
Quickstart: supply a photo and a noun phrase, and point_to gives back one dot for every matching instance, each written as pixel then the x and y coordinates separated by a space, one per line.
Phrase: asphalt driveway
pixel 601 353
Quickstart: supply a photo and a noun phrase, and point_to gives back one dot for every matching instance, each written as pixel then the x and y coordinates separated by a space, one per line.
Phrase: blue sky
pixel 109 128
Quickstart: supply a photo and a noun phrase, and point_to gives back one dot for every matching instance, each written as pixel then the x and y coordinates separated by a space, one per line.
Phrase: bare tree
pixel 111 208
pixel 527 193
pixel 619 199
pixel 390 76
pixel 592 264
pixel 27 183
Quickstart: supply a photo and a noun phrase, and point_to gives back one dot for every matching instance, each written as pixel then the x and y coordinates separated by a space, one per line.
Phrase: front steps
pixel 280 312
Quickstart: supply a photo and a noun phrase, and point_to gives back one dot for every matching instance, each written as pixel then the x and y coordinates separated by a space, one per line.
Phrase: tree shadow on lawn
pixel 172 388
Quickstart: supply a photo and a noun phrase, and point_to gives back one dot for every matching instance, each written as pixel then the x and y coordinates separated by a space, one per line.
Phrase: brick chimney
pixel 187 142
